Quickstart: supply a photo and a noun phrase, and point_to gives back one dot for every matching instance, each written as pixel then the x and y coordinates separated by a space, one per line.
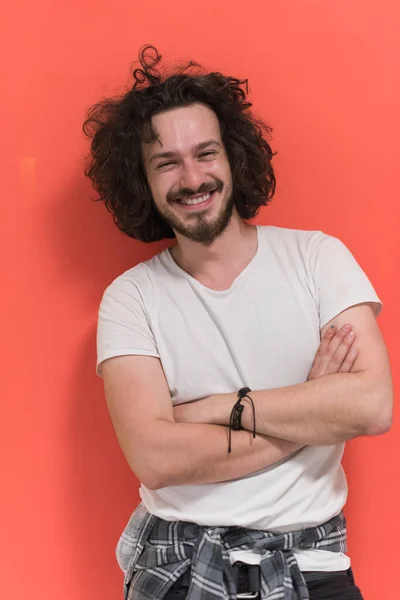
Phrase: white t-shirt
pixel 263 332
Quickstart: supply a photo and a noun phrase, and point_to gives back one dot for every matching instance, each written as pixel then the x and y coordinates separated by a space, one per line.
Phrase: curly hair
pixel 117 127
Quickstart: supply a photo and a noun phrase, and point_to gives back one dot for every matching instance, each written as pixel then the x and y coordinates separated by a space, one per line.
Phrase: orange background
pixel 325 74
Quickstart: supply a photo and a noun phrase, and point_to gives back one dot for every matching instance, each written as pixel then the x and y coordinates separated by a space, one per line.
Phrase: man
pixel 230 368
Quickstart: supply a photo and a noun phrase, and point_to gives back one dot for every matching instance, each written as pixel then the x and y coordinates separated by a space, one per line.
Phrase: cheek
pixel 224 174
pixel 223 171
pixel 160 188
pixel 215 169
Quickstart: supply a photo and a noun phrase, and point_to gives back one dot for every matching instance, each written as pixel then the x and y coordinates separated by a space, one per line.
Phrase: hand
pixel 335 353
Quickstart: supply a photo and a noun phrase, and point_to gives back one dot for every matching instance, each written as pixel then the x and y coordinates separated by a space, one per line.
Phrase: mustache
pixel 205 188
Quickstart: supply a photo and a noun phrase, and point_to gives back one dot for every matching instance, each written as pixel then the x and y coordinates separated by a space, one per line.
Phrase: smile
pixel 195 199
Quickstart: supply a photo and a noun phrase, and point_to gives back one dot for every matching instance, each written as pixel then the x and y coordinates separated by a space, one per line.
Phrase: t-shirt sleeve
pixel 123 326
pixel 338 280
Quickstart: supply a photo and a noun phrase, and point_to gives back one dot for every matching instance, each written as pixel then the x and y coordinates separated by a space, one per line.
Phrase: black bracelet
pixel 235 421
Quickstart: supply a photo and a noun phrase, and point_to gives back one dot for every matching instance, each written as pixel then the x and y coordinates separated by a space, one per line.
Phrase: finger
pixel 339 337
pixel 341 353
pixel 328 336
pixel 349 361
pixel 325 342
pixel 329 333
pixel 329 344
pixel 321 358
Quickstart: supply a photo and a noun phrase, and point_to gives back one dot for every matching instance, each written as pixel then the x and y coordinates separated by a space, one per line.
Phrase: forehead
pixel 179 129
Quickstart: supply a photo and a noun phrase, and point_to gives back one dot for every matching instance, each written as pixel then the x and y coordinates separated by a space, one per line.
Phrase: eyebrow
pixel 197 148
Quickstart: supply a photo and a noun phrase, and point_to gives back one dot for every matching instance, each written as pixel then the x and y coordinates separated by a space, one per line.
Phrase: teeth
pixel 196 200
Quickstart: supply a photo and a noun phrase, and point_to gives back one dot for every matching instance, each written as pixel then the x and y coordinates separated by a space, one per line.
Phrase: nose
pixel 192 175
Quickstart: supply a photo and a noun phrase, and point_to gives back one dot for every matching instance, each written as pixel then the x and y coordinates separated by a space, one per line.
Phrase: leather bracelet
pixel 235 421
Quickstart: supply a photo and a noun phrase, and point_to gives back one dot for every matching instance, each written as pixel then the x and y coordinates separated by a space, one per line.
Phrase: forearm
pixel 187 453
pixel 325 411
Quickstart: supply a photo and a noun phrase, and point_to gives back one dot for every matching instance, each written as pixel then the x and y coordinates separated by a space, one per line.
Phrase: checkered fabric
pixel 154 553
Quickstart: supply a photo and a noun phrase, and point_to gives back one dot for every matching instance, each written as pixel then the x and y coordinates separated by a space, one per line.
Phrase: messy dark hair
pixel 118 126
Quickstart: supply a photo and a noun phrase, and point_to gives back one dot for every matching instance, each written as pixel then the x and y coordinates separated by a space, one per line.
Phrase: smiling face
pixel 189 174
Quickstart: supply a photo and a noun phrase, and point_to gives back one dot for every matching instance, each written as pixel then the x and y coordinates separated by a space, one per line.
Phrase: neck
pixel 237 244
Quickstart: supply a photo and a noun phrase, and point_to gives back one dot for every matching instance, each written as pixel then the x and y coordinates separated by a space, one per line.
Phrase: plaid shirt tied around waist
pixel 154 553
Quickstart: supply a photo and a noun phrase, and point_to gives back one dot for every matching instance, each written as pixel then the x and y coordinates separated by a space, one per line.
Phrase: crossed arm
pixel 324 410
pixel 188 444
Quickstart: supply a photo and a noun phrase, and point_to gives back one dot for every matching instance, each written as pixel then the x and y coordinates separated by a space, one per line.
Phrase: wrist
pixel 248 414
pixel 222 405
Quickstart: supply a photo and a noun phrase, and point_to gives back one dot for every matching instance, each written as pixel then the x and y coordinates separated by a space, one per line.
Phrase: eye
pixel 165 164
pixel 207 154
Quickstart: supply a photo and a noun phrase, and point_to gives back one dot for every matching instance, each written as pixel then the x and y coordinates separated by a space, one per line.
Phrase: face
pixel 189 173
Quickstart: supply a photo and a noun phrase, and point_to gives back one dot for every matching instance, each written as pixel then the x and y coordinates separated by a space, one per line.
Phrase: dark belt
pixel 247 579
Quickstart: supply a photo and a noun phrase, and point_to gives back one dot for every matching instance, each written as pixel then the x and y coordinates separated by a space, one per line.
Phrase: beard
pixel 201 229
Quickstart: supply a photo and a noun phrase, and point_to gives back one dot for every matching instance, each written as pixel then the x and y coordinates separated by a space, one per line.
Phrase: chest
pixel 263 335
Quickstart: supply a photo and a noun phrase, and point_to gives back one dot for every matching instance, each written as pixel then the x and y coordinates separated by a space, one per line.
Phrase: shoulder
pixel 305 241
pixel 138 279
pixel 307 249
